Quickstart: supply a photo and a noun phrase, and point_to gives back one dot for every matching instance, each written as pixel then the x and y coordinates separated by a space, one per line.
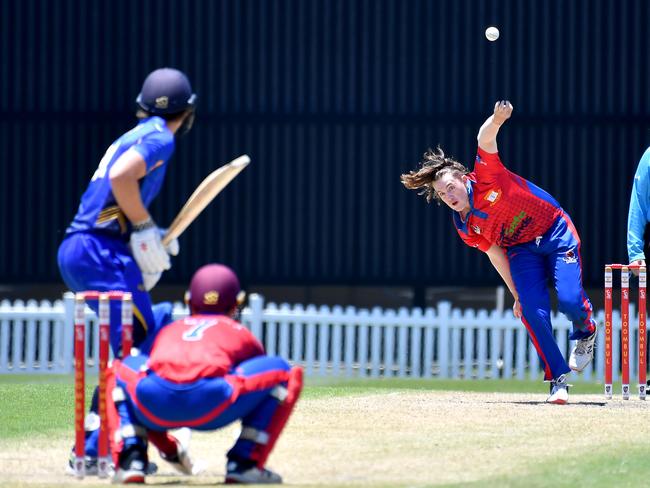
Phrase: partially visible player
pixel 203 372
pixel 528 238
pixel 112 242
pixel 639 212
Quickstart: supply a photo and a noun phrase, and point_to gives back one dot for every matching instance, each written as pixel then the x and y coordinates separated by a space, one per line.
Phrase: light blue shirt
pixel 638 215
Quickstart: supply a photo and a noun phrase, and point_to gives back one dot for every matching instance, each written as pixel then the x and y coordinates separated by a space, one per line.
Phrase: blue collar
pixel 458 220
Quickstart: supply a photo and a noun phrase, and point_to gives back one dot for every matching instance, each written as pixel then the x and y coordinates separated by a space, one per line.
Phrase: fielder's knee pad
pixel 288 398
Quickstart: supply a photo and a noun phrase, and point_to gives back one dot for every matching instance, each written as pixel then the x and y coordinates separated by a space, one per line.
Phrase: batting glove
pixel 147 249
pixel 149 280
pixel 173 248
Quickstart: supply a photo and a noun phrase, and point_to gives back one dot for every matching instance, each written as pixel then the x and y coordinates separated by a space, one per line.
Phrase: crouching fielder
pixel 203 372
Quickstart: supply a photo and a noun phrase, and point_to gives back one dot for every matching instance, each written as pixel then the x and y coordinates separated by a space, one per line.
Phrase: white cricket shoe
pixel 250 476
pixel 583 352
pixel 559 391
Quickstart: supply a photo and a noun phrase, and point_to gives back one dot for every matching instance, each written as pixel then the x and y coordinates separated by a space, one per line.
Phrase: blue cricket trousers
pixel 554 255
pixel 157 404
pixel 91 261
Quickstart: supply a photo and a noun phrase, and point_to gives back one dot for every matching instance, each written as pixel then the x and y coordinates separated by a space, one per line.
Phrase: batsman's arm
pixel 125 175
pixel 500 262
pixel 487 134
pixel 145 243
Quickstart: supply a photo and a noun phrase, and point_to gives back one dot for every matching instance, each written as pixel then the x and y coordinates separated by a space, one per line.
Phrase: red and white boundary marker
pixel 625 329
pixel 103 458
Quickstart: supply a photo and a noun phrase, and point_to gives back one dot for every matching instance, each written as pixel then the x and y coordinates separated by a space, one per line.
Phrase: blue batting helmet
pixel 166 91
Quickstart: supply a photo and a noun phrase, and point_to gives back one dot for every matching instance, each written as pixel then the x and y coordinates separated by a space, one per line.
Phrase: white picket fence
pixel 36 337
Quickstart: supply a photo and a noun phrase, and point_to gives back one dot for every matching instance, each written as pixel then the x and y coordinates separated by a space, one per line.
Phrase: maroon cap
pixel 214 289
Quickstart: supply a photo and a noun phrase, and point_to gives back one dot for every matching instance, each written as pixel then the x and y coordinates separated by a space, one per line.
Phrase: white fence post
pixel 66 333
pixel 444 318
pixel 285 330
pixel 403 341
pixel 310 353
pixel 17 345
pixel 256 315
pixel 389 343
pixel 297 335
pixel 458 321
pixel 4 335
pixel 270 344
pixel 416 336
pixel 349 321
pixel 431 319
pixel 323 340
pixel 468 351
pixel 375 341
pixel 362 349
pixel 337 340
pixel 508 350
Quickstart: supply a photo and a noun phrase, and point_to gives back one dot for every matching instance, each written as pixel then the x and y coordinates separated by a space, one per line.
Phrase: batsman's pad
pixel 280 418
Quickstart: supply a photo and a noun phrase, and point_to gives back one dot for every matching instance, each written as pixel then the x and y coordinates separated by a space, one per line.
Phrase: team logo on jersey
pixel 570 257
pixel 211 297
pixel 538 239
pixel 516 222
pixel 162 102
pixel 476 228
pixel 493 197
pixel 479 160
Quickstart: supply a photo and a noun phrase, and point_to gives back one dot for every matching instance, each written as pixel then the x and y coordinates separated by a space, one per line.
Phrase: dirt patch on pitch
pixel 392 439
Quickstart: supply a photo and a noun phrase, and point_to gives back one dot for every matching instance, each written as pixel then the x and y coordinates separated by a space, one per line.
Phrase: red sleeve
pixel 488 164
pixel 249 348
pixel 475 240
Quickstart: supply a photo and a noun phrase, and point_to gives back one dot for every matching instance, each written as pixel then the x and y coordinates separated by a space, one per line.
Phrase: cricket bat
pixel 209 188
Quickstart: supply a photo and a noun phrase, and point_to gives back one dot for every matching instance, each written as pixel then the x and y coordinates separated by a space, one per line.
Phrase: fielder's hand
pixel 147 248
pixel 502 111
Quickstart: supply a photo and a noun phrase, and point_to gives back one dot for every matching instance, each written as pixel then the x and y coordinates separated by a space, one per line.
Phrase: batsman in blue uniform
pixel 112 242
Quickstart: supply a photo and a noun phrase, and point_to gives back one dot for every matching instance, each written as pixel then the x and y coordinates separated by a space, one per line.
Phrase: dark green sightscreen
pixel 332 99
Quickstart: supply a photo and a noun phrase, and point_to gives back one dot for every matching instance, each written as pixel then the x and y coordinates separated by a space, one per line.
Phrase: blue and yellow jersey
pixel 98 210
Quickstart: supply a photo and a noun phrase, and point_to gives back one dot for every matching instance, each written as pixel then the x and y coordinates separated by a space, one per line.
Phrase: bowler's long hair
pixel 433 166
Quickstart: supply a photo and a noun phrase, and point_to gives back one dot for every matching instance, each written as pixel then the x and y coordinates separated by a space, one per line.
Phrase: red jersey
pixel 505 209
pixel 201 346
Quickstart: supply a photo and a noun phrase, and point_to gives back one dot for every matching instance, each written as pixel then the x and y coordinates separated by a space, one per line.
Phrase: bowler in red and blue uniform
pixel 528 238
pixel 204 372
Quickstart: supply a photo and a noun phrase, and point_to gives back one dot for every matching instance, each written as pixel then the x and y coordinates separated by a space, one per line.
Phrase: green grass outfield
pixel 22 398
pixel 34 407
